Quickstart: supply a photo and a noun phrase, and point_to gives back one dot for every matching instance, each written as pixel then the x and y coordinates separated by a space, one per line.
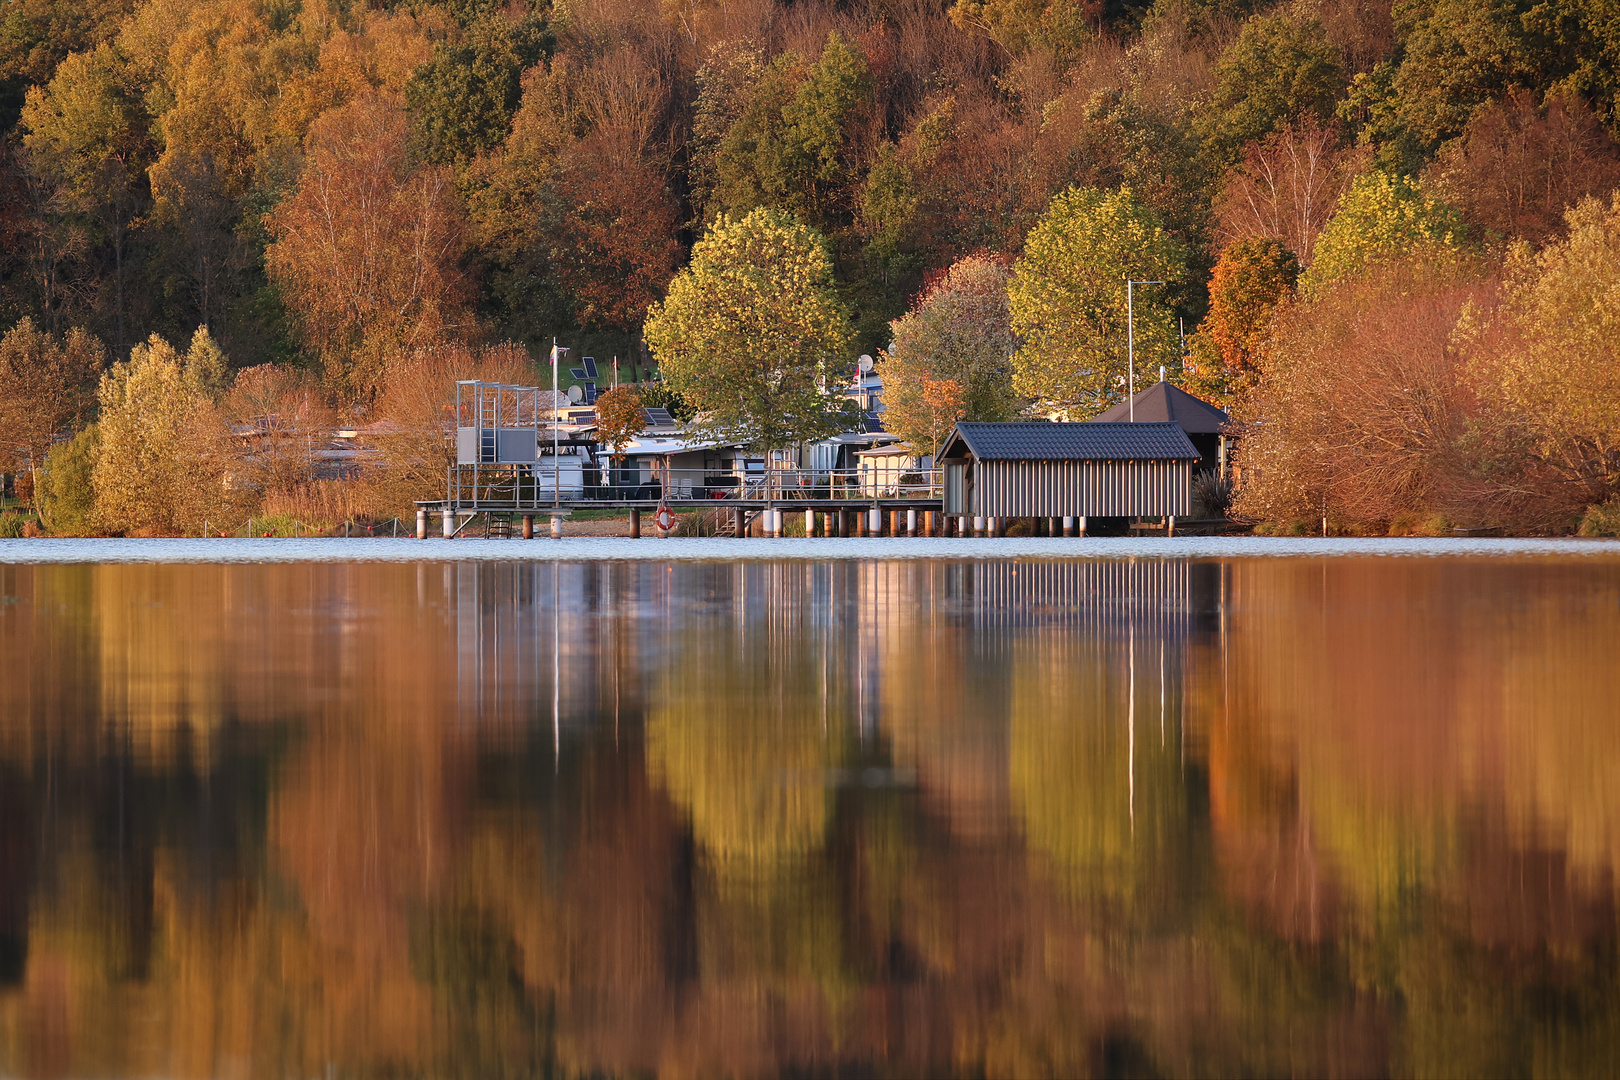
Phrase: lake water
pixel 917 816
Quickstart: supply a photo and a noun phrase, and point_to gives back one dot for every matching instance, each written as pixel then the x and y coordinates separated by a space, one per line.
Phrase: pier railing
pixel 538 486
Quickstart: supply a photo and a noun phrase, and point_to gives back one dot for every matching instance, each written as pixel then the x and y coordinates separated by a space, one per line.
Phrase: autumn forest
pixel 341 191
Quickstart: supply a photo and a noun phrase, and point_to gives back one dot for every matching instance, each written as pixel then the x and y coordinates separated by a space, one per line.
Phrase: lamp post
pixel 1130 338
pixel 556 478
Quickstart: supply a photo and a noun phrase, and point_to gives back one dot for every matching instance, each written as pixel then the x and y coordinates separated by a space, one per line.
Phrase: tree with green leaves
pixel 88 128
pixel 462 101
pixel 1279 70
pixel 1382 217
pixel 753 335
pixel 789 147
pixel 1460 55
pixel 1068 299
pixel 65 490
pixel 658 395
pixel 961 333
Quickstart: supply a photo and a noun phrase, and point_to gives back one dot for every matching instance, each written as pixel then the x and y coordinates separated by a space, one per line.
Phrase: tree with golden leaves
pixel 47 386
pixel 367 251
pixel 619 418
pixel 922 412
pixel 162 465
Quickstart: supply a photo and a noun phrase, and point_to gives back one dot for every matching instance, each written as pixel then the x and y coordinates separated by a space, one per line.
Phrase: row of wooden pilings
pixel 897 522
pixel 829 523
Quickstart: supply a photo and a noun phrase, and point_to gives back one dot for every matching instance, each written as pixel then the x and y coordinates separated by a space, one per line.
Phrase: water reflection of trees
pixel 917 817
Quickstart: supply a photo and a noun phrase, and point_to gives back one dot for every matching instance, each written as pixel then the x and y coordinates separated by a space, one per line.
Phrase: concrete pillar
pixel 635 523
pixel 809 523
pixel 449 524
pixel 978 525
pixel 911 523
pixel 1082 526
pixel 1068 526
pixel 421 523
pixel 556 526
pixel 876 524
pixel 1170 525
pixel 528 526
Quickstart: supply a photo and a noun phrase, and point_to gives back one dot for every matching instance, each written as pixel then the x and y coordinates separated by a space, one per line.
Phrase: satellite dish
pixel 864 363
pixel 576 395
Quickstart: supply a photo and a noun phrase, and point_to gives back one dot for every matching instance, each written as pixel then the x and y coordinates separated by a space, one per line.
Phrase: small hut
pixel 1162 403
pixel 1079 470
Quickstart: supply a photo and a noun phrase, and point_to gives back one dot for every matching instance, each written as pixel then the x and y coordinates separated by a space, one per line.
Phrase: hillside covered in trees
pixel 337 187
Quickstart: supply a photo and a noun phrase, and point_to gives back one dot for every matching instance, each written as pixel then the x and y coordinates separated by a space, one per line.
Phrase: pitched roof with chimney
pixel 1088 441
pixel 1161 403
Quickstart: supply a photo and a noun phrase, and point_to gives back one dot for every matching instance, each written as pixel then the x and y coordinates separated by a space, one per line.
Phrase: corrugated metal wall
pixel 1082 488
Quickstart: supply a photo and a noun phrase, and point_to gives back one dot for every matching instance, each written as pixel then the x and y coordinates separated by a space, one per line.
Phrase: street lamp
pixel 1130 337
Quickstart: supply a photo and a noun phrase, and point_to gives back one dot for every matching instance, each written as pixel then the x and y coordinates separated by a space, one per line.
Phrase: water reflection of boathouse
pixel 573 643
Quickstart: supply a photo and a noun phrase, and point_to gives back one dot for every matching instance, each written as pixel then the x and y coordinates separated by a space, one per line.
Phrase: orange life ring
pixel 665 518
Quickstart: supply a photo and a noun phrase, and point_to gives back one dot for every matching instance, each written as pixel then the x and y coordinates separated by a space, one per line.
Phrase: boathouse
pixel 1068 470
pixel 1207 427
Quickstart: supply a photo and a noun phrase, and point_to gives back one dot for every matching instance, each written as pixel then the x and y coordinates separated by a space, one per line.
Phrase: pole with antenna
pixel 1130 337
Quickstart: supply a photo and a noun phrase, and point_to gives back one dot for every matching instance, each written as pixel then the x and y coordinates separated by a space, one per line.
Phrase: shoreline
pixel 49 551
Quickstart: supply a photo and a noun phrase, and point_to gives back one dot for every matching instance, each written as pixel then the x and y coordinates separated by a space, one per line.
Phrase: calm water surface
pixel 1255 816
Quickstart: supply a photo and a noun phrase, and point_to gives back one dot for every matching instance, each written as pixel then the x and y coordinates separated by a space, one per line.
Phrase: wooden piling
pixel 635 524
pixel 528 526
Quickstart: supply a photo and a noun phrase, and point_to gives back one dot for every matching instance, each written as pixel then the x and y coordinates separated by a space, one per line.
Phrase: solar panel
pixel 590 366
pixel 659 418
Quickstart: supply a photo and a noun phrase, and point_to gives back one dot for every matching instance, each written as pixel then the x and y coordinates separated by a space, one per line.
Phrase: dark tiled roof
pixel 1089 441
pixel 1162 402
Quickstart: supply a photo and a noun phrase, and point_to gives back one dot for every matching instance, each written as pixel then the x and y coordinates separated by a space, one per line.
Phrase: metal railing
pixel 539 486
